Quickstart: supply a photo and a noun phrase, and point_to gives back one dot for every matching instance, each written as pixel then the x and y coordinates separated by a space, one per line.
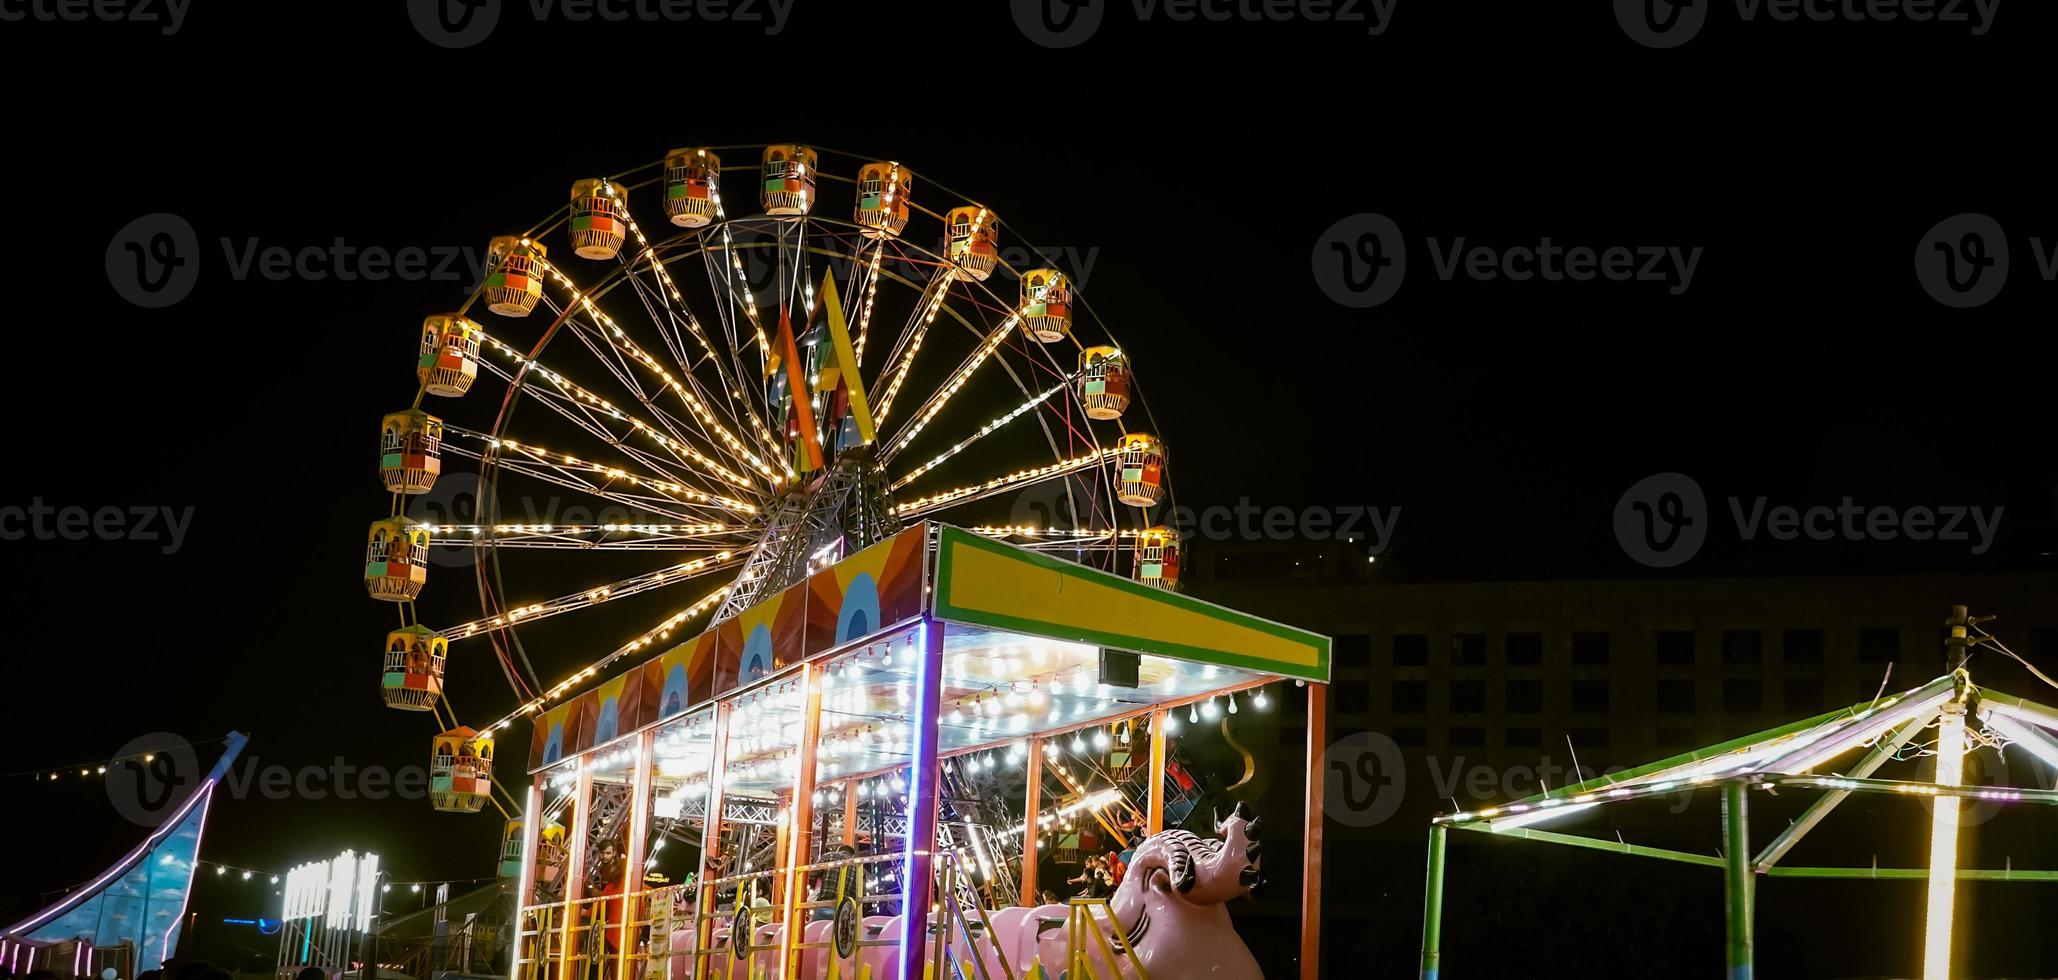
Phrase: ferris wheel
pixel 743 385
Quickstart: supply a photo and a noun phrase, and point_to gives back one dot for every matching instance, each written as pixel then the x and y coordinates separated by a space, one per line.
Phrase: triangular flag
pixel 808 455
pixel 846 362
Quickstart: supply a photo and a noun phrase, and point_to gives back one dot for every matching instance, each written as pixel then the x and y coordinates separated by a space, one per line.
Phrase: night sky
pixel 1198 164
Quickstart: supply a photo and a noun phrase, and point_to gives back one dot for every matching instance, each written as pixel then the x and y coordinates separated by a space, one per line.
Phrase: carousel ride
pixel 743 404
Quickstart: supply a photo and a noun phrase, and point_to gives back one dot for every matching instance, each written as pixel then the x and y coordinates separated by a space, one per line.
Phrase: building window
pixel 1354 650
pixel 1468 696
pixel 1524 737
pixel 1524 697
pixel 1468 736
pixel 1410 650
pixel 1802 646
pixel 1673 737
pixel 1879 646
pixel 1353 697
pixel 1742 647
pixel 1676 647
pixel 1589 647
pixel 1468 649
pixel 1410 736
pixel 1743 695
pixel 1676 697
pixel 1804 694
pixel 1525 649
pixel 1591 737
pixel 1590 697
pixel 1410 697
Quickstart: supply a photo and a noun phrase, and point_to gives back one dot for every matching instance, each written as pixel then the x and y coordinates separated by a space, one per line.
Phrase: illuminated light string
pixel 939 291
pixel 983 431
pixel 620 337
pixel 101 767
pixel 651 636
pixel 943 395
pixel 693 326
pixel 240 873
pixel 569 389
pixel 591 597
pixel 575 391
pixel 871 296
pixel 937 501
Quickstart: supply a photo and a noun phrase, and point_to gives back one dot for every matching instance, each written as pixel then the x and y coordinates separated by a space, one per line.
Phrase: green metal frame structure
pixel 1790 756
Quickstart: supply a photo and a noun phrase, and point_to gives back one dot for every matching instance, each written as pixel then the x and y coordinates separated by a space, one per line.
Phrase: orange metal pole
pixel 800 829
pixel 1032 807
pixel 850 812
pixel 1311 853
pixel 1155 822
pixel 635 849
pixel 710 839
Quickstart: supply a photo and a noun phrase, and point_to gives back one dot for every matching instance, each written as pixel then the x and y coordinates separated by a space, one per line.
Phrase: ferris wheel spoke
pixel 611 331
pixel 588 598
pixel 659 304
pixel 980 491
pixel 983 431
pixel 592 537
pixel 611 357
pixel 575 403
pixel 654 635
pixel 942 396
pixel 673 502
pixel 869 273
pixel 910 340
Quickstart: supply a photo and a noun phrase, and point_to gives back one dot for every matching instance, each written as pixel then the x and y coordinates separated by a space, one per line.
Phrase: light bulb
pixel 1100 740
pixel 1193 713
pixel 1171 723
pixel 1259 701
pixel 1232 704
pixel 1211 709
